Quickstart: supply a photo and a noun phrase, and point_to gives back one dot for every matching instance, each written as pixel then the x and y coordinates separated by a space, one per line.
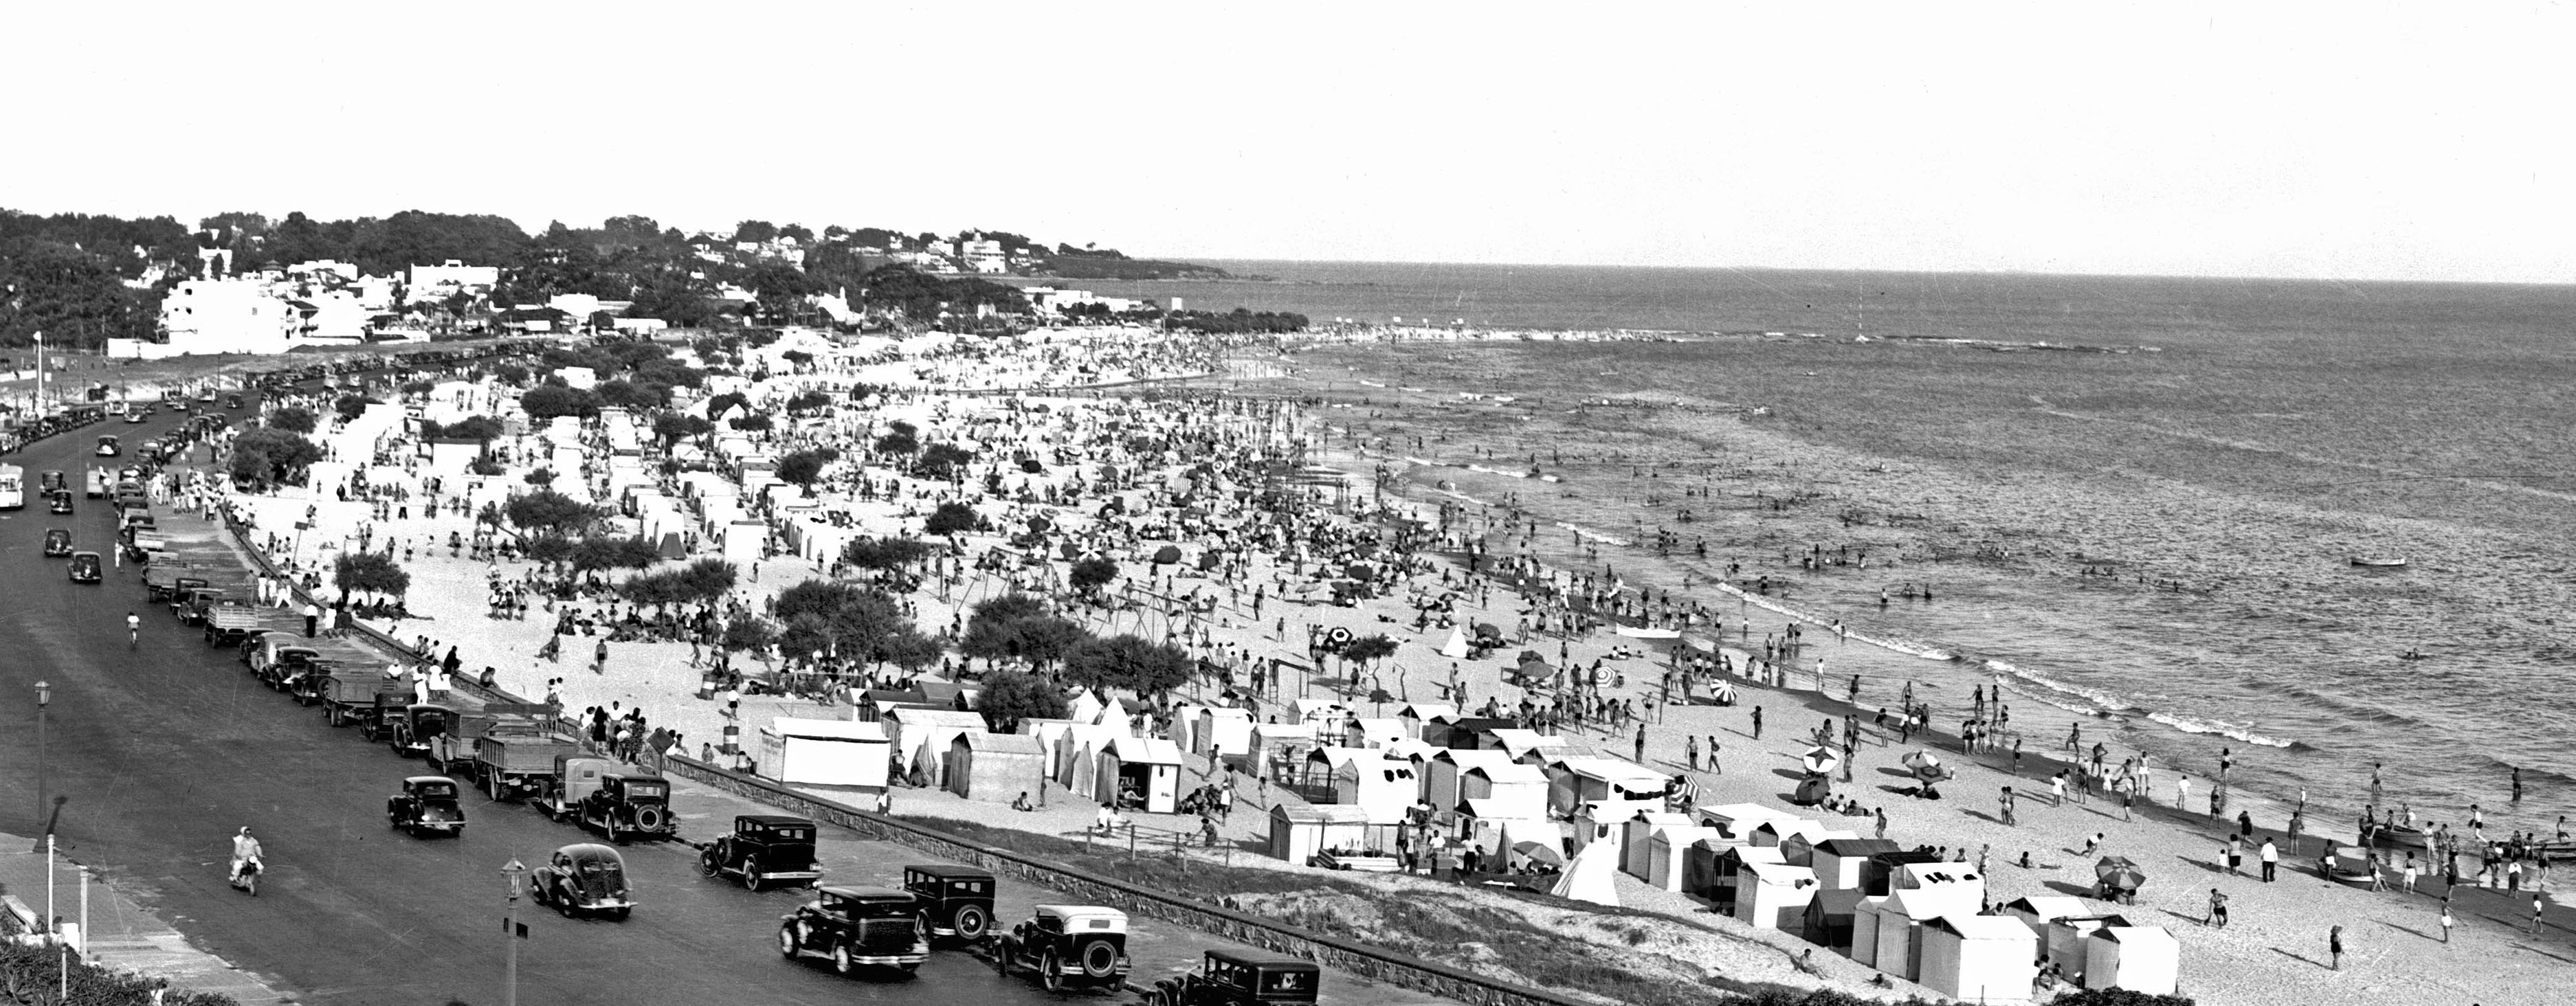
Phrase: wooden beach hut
pixel 1978 958
pixel 2138 958
pixel 1829 918
pixel 983 766
pixel 1141 772
pixel 1841 863
pixel 1298 832
pixel 1774 895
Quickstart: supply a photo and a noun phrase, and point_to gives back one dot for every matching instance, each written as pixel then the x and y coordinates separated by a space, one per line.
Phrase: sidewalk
pixel 123 935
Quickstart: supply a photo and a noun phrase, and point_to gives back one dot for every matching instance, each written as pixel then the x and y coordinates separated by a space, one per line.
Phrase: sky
pixel 2304 140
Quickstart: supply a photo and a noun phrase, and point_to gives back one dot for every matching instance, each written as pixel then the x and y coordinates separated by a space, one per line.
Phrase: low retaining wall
pixel 1391 968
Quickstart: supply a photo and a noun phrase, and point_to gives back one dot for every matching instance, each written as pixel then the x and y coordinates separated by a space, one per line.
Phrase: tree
pixel 708 580
pixel 590 554
pixel 541 477
pixel 951 519
pixel 293 419
pixel 265 457
pixel 808 401
pixel 511 374
pixel 480 429
pixel 369 573
pixel 1091 574
pixel 352 406
pixel 549 549
pixel 551 512
pixel 633 394
pixel 753 422
pixel 1129 662
pixel 721 404
pixel 673 427
pixel 1045 640
pixel 755 231
pixel 802 468
pixel 885 555
pixel 943 460
pixel 547 401
pixel 899 442
pixel 749 632
pixel 1009 697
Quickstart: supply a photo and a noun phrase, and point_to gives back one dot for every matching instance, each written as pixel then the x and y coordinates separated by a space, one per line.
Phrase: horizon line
pixel 1918 270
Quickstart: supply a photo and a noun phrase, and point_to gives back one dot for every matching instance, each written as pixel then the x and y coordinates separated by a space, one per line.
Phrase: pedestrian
pixel 1757 723
pixel 1881 814
pixel 2217 909
pixel 2271 856
pixel 312 619
pixel 2007 801
pixel 1690 751
pixel 2334 948
pixel 2182 793
pixel 599 656
pixel 2056 783
pixel 2094 844
pixel 2406 880
pixel 1641 744
pixel 2446 919
pixel 2537 908
pixel 1713 766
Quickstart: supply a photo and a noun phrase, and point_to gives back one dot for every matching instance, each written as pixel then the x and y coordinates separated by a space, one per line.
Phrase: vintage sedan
pixel 1240 978
pixel 764 849
pixel 426 806
pixel 855 927
pixel 108 447
pixel 58 543
pixel 955 900
pixel 84 567
pixel 1069 946
pixel 583 879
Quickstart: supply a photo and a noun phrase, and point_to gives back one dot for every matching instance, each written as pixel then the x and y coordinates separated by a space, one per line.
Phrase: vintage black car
pixel 855 927
pixel 54 482
pixel 426 806
pixel 630 805
pixel 1069 946
pixel 84 567
pixel 764 849
pixel 407 733
pixel 1240 978
pixel 583 878
pixel 232 401
pixel 60 502
pixel 58 542
pixel 955 900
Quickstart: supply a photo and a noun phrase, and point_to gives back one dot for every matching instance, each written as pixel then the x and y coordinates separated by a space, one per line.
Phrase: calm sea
pixel 2233 447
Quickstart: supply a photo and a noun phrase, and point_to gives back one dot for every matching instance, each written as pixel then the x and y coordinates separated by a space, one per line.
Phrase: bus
pixel 13 487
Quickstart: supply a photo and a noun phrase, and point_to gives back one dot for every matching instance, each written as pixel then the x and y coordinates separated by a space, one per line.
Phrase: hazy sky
pixel 2287 140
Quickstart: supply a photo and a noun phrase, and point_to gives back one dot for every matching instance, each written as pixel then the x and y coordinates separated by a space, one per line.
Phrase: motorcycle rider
pixel 245 852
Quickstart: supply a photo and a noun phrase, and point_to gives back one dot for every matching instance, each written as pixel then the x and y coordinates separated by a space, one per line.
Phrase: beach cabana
pixel 1221 731
pixel 823 752
pixel 1668 854
pixel 1979 958
pixel 1637 829
pixel 994 766
pixel 1878 875
pixel 1607 820
pixel 1900 921
pixel 1489 826
pixel 1588 878
pixel 1864 934
pixel 1185 725
pixel 1299 832
pixel 1829 919
pixel 1798 848
pixel 1774 895
pixel 1734 867
pixel 1841 863
pixel 1465 732
pixel 1372 732
pixel 920 737
pixel 2062 923
pixel 1279 749
pixel 1455 775
pixel 1145 771
pixel 1418 717
pixel 1737 820
pixel 1384 787
pixel 1573 781
pixel 2138 958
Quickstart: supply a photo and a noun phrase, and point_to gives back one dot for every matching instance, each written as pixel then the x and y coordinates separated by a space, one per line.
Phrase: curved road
pixel 164 751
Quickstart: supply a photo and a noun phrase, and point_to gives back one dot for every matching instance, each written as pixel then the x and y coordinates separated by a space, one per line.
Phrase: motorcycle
pixel 248 879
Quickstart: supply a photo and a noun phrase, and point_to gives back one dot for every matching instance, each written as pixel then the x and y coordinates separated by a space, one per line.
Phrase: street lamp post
pixel 44 698
pixel 40 375
pixel 510 934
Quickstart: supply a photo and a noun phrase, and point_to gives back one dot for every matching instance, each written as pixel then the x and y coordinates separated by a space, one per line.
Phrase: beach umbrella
pixel 1820 760
pixel 1167 555
pixel 1040 525
pixel 1532 657
pixel 1489 630
pixel 1812 791
pixel 1538 852
pixel 2119 872
pixel 1920 760
pixel 1726 693
pixel 1207 560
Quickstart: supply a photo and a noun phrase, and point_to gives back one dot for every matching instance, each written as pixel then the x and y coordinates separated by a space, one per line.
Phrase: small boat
pixel 2379 562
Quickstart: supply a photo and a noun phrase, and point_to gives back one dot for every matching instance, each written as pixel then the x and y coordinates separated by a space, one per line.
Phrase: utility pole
pixel 510 935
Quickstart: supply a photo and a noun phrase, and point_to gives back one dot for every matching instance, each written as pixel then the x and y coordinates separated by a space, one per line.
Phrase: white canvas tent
pixel 984 766
pixel 2138 958
pixel 1589 877
pixel 823 752
pixel 1221 731
pixel 1979 958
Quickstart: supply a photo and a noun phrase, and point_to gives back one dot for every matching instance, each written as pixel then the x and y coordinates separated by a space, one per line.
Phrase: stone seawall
pixel 1393 969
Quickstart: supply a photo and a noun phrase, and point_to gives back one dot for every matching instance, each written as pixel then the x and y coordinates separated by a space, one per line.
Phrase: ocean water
pixel 2214 451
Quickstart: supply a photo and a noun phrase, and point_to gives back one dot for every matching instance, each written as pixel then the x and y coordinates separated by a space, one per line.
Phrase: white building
pixel 984 256
pixel 334 316
pixel 436 282
pixel 205 316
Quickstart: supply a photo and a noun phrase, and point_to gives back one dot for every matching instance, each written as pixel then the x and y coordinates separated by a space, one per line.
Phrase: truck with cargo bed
pixel 163 579
pixel 349 696
pixel 519 766
pixel 456 746
pixel 233 622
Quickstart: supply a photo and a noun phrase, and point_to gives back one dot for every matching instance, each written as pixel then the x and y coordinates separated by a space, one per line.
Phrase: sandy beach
pixel 2272 951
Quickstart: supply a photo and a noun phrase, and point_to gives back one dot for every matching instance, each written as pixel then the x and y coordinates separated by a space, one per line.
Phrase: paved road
pixel 167 748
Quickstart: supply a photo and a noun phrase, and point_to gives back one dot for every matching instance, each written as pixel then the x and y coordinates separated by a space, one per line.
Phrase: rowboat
pixel 2380 562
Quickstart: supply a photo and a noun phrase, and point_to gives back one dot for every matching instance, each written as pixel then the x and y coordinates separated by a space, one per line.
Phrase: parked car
pixel 630 805
pixel 1069 946
pixel 955 900
pixel 856 927
pixel 764 849
pixel 426 806
pixel 583 878
pixel 84 567
pixel 1240 978
pixel 58 542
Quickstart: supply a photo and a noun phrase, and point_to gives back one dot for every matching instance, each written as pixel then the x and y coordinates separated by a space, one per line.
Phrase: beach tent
pixel 1077 758
pixel 1298 832
pixel 1668 854
pixel 1864 934
pixel 1456 647
pixel 1774 895
pixel 1185 725
pixel 2138 958
pixel 1085 707
pixel 984 766
pixel 1829 919
pixel 1637 829
pixel 1799 848
pixel 1146 772
pixel 1589 878
pixel 1901 918
pixel 1221 731
pixel 1979 958
pixel 1418 716
pixel 1733 867
pixel 823 752
pixel 1607 820
pixel 921 736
